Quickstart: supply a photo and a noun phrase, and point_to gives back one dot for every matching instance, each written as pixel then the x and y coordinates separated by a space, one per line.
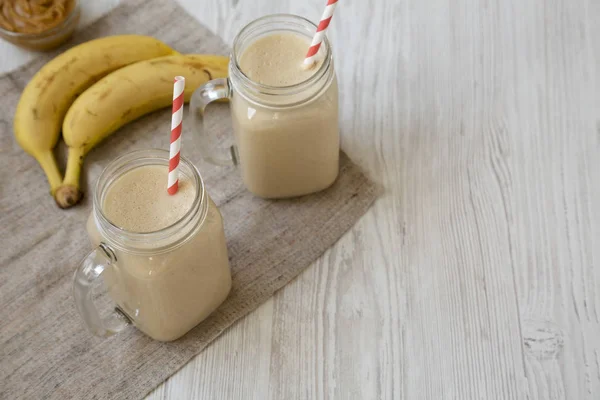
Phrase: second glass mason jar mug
pixel 286 138
pixel 164 282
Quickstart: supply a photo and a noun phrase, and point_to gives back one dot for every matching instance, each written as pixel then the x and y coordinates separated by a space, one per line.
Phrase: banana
pixel 122 97
pixel 47 97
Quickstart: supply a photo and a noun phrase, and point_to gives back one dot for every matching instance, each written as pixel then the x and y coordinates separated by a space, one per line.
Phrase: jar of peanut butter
pixel 38 24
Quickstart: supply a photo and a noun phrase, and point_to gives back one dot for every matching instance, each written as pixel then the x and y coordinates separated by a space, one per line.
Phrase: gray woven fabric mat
pixel 45 351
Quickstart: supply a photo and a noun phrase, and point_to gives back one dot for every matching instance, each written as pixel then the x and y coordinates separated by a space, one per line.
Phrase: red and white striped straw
pixel 320 34
pixel 177 117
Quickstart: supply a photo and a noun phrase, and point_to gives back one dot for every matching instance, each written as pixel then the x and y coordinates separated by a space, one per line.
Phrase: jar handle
pixel 216 89
pixel 87 274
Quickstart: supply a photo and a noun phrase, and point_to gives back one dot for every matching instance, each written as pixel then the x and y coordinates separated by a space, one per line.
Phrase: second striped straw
pixel 320 34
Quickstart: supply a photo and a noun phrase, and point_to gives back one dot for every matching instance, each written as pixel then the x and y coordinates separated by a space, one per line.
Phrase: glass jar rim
pixel 237 74
pixel 123 238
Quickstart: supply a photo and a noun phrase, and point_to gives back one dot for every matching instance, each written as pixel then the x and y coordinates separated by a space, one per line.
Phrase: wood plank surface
pixel 477 275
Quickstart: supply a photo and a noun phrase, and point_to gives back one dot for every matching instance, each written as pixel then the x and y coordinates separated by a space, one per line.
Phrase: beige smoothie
pixel 291 147
pixel 168 292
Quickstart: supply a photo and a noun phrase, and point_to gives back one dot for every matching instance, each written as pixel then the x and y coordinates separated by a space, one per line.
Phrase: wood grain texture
pixel 477 275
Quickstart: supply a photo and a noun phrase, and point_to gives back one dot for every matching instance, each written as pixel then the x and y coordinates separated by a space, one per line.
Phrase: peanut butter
pixel 33 16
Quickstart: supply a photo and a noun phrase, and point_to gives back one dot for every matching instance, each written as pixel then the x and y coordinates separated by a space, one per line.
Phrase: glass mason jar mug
pixel 286 137
pixel 164 282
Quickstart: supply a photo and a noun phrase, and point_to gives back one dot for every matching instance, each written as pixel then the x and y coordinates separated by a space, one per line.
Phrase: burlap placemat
pixel 44 348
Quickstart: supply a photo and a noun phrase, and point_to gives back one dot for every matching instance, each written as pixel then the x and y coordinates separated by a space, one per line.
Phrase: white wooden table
pixel 477 275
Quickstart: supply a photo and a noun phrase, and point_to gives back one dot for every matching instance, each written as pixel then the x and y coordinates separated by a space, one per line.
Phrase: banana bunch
pixel 93 89
pixel 122 97
pixel 50 93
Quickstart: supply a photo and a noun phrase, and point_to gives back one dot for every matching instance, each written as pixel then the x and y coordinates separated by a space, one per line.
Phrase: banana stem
pixel 74 164
pixel 48 163
pixel 68 194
